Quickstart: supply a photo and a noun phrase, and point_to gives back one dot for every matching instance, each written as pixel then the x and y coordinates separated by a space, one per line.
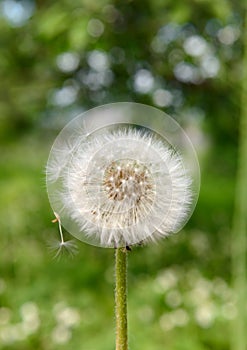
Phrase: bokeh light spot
pixel 68 62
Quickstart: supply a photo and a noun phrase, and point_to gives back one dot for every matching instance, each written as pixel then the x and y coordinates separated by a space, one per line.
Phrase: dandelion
pixel 123 187
pixel 115 180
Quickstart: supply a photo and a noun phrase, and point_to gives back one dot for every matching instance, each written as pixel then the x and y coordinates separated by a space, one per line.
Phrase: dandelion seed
pixel 61 246
pixel 118 186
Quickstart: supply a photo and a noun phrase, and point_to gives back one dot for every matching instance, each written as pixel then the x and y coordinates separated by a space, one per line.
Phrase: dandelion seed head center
pixel 125 179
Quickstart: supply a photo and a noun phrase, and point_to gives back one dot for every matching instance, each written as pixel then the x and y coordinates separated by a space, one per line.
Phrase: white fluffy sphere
pixel 118 186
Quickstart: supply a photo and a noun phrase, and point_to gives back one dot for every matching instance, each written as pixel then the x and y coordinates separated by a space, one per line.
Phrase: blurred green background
pixel 58 59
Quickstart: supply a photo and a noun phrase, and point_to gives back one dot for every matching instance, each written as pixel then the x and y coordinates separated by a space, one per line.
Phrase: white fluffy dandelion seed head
pixel 115 184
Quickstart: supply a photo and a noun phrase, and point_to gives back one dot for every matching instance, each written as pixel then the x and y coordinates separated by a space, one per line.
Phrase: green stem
pixel 121 299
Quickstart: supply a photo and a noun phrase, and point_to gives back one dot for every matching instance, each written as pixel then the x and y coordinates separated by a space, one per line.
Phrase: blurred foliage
pixel 61 58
